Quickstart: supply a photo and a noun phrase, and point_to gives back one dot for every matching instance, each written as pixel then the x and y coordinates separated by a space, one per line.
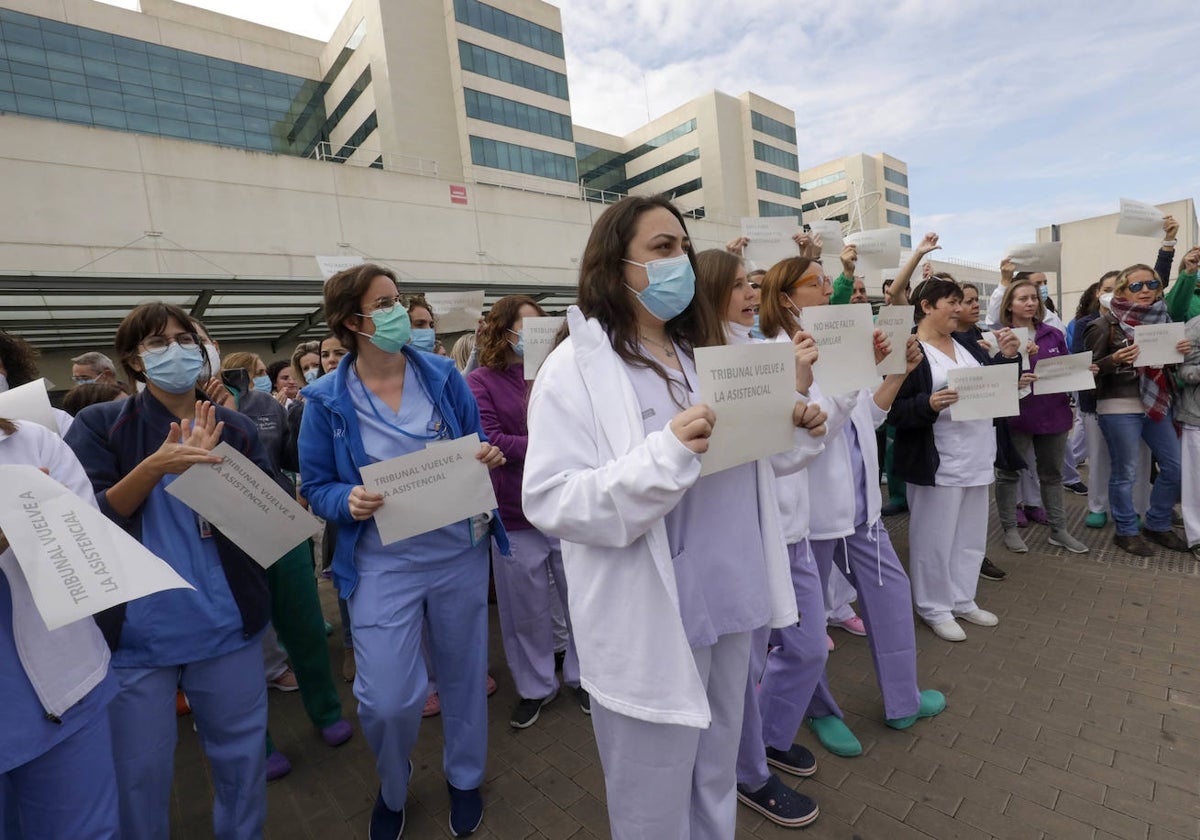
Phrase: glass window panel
pixel 223 77
pixel 24 52
pixel 35 106
pixel 895 218
pixel 54 27
pixel 171 110
pixel 105 98
pixel 193 71
pixel 173 128
pixel 196 87
pixel 33 87
pixel 163 64
pixel 205 116
pixel 104 69
pixel 170 96
pixel 162 52
pixel 15 33
pixel 134 75
pixel 95 36
pixel 91 49
pixel 104 84
pixel 65 43
pixel 66 77
pixel 165 82
pixel 8 101
pixel 227 120
pixel 69 93
pixel 73 112
pixel 6 81
pixel 234 138
pixel 905 240
pixel 207 133
pixel 224 93
pixel 108 118
pixel 137 90
pixel 131 58
pixel 140 105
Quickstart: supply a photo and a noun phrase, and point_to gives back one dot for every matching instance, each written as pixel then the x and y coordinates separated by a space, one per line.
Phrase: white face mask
pixel 214 359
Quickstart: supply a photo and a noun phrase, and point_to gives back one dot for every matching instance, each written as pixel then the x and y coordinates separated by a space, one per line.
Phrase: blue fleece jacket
pixel 331 447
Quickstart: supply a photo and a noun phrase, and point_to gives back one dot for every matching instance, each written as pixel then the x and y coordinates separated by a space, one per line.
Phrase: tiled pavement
pixel 1077 717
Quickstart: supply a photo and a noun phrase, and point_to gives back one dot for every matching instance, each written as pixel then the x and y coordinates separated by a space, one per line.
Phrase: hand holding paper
pixel 806 357
pixel 1137 218
pixel 693 427
pixel 810 416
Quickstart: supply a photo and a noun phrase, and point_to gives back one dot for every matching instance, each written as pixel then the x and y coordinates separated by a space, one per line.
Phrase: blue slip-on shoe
pixel 466 810
pixel 932 703
pixel 796 760
pixel 386 824
pixel 779 803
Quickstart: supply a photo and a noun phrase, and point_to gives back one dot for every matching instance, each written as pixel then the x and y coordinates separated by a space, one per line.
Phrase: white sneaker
pixel 981 617
pixel 948 631
pixel 1013 541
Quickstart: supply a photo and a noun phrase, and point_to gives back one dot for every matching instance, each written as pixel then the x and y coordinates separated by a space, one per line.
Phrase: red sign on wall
pixel 458 194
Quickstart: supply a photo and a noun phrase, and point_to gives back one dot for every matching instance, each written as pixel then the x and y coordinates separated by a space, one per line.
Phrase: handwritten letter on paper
pixel 844 336
pixel 984 392
pixel 752 390
pixel 76 561
pixel 246 505
pixel 429 489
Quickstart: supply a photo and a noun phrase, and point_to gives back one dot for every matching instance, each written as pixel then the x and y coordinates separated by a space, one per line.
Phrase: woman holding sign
pixel 1135 404
pixel 523 575
pixel 668 572
pixel 847 529
pixel 1041 427
pixel 948 464
pixel 205 640
pixel 384 400
pixel 56 754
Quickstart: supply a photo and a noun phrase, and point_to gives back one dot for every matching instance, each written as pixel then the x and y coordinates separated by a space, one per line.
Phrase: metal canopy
pixel 82 311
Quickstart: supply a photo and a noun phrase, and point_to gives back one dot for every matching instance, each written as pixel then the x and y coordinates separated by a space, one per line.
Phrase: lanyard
pixel 438 429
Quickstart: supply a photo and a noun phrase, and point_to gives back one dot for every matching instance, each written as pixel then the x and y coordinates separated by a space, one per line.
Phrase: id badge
pixel 205 527
pixel 480 528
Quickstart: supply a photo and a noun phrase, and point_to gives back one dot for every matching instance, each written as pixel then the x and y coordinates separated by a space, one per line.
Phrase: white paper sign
pixel 76 561
pixel 430 489
pixel 846 345
pixel 456 311
pixel 877 249
pixel 752 390
pixel 331 265
pixel 989 338
pixel 1036 256
pixel 1064 374
pixel 29 402
pixel 538 335
pixel 1137 218
pixel 832 242
pixel 896 323
pixel 1157 343
pixel 246 505
pixel 770 239
pixel 984 392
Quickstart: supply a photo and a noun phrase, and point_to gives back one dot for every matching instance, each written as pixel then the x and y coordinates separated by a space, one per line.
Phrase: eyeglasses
pixel 1152 285
pixel 159 343
pixel 385 304
pixel 820 280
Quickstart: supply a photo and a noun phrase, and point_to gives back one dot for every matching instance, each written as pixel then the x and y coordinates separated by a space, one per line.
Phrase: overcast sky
pixel 1010 116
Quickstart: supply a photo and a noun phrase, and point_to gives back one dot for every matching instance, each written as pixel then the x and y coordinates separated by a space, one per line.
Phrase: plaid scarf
pixel 1155 386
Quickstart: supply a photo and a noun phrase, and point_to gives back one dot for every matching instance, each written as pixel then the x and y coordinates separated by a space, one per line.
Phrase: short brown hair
pixel 343 291
pixel 18 358
pixel 783 277
pixel 149 319
pixel 493 339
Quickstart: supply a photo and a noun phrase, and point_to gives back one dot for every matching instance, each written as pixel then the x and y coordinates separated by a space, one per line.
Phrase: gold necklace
pixel 667 348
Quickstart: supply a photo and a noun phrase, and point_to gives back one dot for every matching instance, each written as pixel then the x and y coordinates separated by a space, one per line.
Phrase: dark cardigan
pixel 915 458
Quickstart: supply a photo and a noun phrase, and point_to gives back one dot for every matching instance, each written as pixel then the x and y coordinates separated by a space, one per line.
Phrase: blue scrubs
pixel 439 578
pixel 56 779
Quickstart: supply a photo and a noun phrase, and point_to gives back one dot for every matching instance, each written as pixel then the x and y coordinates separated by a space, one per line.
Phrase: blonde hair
pixel 1123 279
pixel 1010 293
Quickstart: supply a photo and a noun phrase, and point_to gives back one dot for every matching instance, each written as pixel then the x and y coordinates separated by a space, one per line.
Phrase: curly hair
pixel 17 359
pixel 493 338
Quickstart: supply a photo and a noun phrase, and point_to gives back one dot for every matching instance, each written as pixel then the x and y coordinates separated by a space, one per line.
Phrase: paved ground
pixel 1077 717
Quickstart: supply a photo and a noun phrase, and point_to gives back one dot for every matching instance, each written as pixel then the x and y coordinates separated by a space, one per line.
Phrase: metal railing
pixel 377 158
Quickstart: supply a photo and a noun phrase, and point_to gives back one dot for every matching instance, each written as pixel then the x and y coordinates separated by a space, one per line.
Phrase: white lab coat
pixel 595 480
pixel 831 476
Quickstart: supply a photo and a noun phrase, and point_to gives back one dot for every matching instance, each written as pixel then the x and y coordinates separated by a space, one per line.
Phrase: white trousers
pixel 1189 442
pixel 669 782
pixel 947 537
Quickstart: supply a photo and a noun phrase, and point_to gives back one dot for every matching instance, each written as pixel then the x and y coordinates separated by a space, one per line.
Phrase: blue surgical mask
pixel 310 375
pixel 672 286
pixel 1043 292
pixel 519 345
pixel 423 338
pixel 755 331
pixel 175 369
pixel 392 328
pixel 262 383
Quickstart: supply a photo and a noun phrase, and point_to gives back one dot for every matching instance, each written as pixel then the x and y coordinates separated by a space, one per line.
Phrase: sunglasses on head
pixel 1152 285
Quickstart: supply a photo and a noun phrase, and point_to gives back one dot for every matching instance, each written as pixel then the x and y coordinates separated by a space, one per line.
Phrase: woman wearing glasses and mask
pixel 1136 404
pixel 384 400
pixel 204 640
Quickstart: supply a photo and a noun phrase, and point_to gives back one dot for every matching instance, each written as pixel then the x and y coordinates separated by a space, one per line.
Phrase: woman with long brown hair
pixel 668 572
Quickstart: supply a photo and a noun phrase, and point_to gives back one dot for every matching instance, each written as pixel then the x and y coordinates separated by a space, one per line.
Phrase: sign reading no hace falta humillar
pixel 246 505
pixel 74 559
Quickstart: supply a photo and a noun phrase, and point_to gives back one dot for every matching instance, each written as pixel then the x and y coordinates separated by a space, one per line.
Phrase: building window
pixel 656 171
pixel 770 154
pixel 775 128
pixel 509 156
pixel 496 109
pixel 513 28
pixel 356 90
pixel 895 176
pixel 684 188
pixel 896 218
pixel 770 208
pixel 823 180
pixel 355 140
pixel 905 240
pixel 603 169
pixel 773 183
pixel 823 202
pixel 896 197
pixel 476 59
pixel 70 73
